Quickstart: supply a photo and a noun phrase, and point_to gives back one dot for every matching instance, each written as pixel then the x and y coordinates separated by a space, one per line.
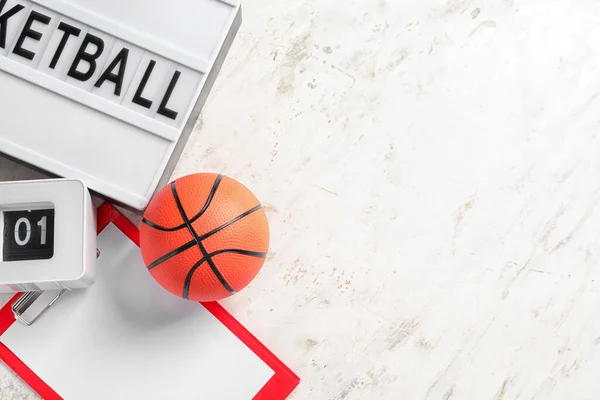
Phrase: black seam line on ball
pixel 205 254
pixel 233 221
pixel 209 200
pixel 188 278
pixel 192 242
pixel 171 254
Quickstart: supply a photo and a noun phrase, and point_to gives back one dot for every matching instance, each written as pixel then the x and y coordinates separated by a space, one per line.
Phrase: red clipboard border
pixel 279 387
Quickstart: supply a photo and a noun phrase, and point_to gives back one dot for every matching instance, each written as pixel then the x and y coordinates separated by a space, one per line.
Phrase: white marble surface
pixel 431 171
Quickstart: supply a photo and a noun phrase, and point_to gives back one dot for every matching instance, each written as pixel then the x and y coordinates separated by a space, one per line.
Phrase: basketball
pixel 204 237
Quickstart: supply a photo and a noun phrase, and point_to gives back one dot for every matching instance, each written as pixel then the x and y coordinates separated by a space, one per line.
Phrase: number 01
pixel 42 223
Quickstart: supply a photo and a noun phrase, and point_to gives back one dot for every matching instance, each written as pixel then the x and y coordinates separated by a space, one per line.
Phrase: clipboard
pixel 279 385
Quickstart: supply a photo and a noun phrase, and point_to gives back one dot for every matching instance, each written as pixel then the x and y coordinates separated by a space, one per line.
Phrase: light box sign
pixel 108 91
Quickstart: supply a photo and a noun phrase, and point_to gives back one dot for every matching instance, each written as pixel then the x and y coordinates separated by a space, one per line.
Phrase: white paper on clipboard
pixel 127 338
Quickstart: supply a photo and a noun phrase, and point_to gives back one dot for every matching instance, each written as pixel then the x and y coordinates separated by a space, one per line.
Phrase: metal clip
pixel 27 299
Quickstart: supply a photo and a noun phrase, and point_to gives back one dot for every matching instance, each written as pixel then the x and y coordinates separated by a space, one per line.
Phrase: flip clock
pixel 47 236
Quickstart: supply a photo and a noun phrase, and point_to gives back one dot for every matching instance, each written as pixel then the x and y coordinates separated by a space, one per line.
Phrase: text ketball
pixel 95 61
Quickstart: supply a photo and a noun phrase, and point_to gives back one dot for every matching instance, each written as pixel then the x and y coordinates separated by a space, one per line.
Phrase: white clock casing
pixel 73 262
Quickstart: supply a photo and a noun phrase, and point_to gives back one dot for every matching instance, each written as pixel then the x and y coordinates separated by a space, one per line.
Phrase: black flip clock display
pixel 28 235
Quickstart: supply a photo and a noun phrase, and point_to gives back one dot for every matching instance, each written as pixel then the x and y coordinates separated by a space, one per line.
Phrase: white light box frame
pixel 108 91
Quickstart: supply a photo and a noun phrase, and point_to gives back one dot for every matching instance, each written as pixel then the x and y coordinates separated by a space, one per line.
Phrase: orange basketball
pixel 204 237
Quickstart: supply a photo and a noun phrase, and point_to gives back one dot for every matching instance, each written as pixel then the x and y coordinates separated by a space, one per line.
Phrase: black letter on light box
pixel 108 75
pixel 163 110
pixel 27 32
pixel 90 58
pixel 4 18
pixel 69 31
pixel 137 98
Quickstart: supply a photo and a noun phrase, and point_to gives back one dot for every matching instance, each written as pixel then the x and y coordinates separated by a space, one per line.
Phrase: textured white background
pixel 431 172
